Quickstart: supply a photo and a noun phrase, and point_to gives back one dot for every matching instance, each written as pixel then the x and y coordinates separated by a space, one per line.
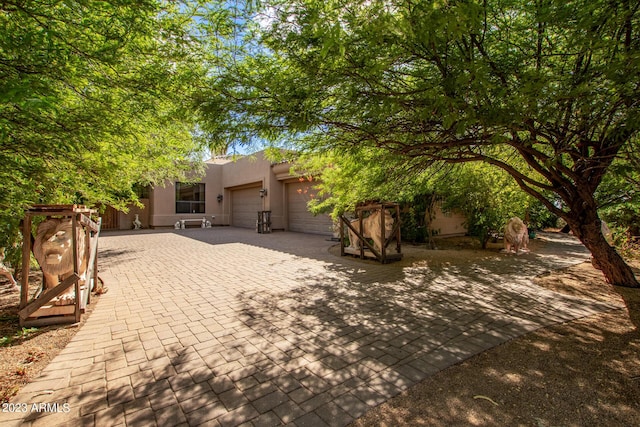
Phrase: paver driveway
pixel 228 327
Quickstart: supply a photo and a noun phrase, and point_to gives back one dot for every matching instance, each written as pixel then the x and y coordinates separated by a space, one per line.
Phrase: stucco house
pixel 233 191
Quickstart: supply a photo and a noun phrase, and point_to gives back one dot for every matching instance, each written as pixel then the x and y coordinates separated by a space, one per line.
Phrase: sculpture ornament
pixel 516 236
pixel 7 272
pixel 137 224
pixel 53 250
pixel 371 229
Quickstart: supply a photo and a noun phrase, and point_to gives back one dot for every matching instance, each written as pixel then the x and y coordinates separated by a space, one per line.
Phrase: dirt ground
pixel 582 373
pixel 24 352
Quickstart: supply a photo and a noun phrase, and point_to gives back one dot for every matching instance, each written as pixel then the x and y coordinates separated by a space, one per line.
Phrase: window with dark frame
pixel 189 198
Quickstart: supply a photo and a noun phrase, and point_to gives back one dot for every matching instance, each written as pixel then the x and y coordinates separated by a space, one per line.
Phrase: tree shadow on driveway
pixel 233 326
pixel 363 333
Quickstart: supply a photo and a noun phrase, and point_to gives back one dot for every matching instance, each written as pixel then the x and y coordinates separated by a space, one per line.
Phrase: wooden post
pixel 398 236
pixel 383 249
pixel 26 260
pixel 87 251
pixel 76 262
pixel 341 235
pixel 361 236
pixel 74 241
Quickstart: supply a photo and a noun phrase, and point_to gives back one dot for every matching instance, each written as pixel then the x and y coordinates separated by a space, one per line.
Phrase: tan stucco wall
pixel 125 220
pixel 224 176
pixel 448 223
pixel 276 202
pixel 251 171
pixel 162 201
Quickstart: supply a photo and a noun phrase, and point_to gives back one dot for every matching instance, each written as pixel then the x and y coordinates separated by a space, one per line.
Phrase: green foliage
pixel 416 216
pixel 539 217
pixel 619 196
pixel 410 228
pixel 547 91
pixel 486 196
pixel 20 335
pixel 626 243
pixel 349 178
pixel 95 97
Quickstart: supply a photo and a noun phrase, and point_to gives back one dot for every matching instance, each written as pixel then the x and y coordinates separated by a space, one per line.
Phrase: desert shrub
pixel 626 243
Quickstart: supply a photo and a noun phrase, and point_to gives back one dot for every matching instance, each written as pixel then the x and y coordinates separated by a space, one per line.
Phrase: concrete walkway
pixel 227 327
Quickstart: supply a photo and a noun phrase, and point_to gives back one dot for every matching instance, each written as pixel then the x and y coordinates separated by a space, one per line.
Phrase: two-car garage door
pixel 246 202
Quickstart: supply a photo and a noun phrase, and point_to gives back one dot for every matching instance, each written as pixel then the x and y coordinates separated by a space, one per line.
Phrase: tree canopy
pixel 96 97
pixel 485 195
pixel 546 90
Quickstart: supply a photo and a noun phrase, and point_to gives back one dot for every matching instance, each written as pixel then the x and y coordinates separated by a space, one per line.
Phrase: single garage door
pixel 299 217
pixel 245 205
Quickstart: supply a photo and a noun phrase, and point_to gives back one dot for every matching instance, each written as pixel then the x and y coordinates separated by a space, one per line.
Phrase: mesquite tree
pixel 546 90
pixel 95 97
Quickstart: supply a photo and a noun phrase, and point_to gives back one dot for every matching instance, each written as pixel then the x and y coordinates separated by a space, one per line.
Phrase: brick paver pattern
pixel 227 327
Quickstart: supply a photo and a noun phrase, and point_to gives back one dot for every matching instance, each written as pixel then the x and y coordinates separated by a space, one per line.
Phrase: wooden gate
pixel 110 219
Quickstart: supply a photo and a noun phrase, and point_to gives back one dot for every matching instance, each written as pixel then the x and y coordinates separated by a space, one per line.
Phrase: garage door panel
pixel 298 215
pixel 245 206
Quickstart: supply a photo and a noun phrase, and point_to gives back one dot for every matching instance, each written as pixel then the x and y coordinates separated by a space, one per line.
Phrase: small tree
pixel 417 219
pixel 95 97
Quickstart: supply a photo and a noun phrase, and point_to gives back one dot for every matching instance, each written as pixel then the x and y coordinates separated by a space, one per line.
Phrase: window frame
pixel 195 204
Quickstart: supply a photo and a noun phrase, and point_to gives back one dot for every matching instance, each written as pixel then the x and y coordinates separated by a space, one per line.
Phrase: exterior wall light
pixel 263 192
pixel 219 198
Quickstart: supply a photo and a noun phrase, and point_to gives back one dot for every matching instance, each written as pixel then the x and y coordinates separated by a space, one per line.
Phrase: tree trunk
pixel 429 215
pixel 485 235
pixel 615 270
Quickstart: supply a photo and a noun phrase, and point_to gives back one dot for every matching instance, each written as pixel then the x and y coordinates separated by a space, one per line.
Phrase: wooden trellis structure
pixel 41 311
pixel 366 249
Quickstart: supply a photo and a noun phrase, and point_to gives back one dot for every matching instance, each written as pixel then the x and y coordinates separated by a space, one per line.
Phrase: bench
pixel 182 223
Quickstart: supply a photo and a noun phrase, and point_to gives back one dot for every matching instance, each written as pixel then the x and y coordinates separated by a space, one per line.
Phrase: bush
pixel 626 243
pixel 540 217
pixel 410 229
